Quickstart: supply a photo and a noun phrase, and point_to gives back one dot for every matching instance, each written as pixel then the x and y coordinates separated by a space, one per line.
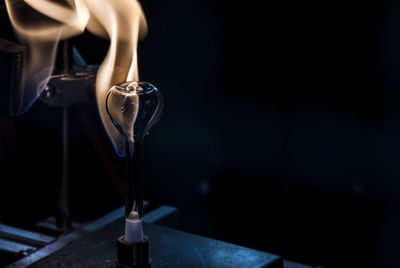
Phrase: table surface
pixel 169 248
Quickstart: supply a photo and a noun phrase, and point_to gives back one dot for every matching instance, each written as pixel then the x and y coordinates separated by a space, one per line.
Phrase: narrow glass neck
pixel 133 179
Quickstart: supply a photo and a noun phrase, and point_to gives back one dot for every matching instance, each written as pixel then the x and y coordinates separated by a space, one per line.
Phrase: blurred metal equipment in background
pixel 11 62
pixel 71 84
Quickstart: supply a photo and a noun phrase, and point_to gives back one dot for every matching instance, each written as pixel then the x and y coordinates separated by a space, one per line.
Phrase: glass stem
pixel 134 180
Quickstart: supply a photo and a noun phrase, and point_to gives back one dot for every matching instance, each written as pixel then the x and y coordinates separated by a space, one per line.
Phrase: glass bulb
pixel 134 107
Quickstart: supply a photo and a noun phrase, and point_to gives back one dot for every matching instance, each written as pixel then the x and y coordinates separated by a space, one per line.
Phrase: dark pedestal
pixel 169 248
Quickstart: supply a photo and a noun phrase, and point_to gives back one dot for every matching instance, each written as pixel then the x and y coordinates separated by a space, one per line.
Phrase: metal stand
pixel 65 88
pixel 64 220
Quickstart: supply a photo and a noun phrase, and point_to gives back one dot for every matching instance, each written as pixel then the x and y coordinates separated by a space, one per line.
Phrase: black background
pixel 280 131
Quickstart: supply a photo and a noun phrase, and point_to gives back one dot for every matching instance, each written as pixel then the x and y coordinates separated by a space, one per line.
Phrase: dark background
pixel 281 130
